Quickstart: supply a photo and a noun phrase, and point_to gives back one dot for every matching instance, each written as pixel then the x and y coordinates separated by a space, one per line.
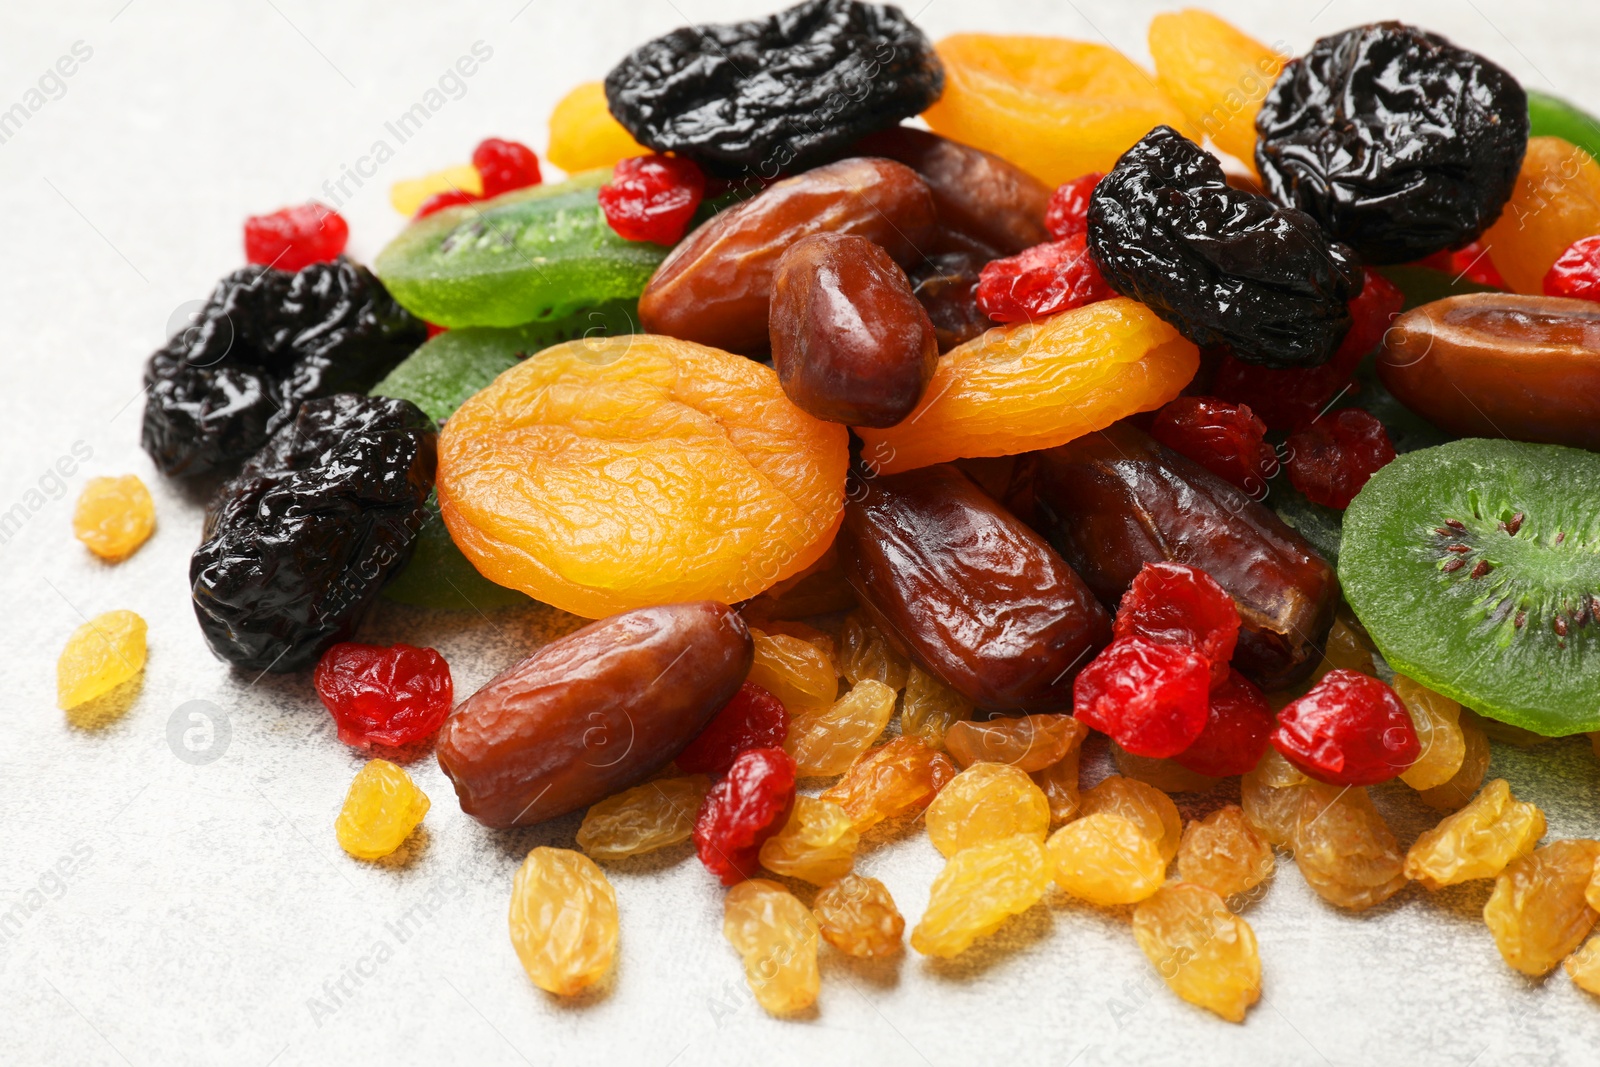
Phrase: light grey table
pixel 158 908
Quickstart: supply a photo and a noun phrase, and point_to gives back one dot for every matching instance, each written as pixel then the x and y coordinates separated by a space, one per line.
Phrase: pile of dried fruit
pixel 940 458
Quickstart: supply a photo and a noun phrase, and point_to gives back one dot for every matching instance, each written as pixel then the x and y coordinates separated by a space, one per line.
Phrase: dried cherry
pixel 1350 729
pixel 754 718
pixel 1068 212
pixel 1041 281
pixel 1331 459
pixel 1149 697
pixel 440 201
pixel 1576 272
pixel 652 198
pixel 504 166
pixel 384 696
pixel 1226 439
pixel 742 810
pixel 1178 604
pixel 295 237
pixel 1238 724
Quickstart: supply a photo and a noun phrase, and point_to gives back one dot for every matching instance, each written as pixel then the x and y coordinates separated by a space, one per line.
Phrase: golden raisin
pixel 1437 719
pixel 1059 781
pixel 563 920
pixel 114 516
pixel 985 802
pixel 777 937
pixel 826 740
pixel 1344 848
pixel 1347 649
pixel 930 708
pixel 1167 775
pixel 1270 797
pixel 857 916
pixel 1537 912
pixel 584 136
pixel 817 844
pixel 892 779
pixel 380 810
pixel 796 671
pixel 865 653
pixel 1478 841
pixel 1463 786
pixel 1205 953
pixel 1222 853
pixel 644 818
pixel 100 655
pixel 1147 807
pixel 1583 967
pixel 1216 75
pixel 1106 859
pixel 978 890
pixel 1026 742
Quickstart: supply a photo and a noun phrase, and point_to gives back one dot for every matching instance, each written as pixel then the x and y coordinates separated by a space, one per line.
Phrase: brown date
pixel 976 193
pixel 593 713
pixel 1115 500
pixel 715 286
pixel 946 283
pixel 850 343
pixel 980 600
pixel 1499 364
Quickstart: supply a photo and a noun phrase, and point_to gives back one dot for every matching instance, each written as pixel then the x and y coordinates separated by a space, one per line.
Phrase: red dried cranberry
pixel 1332 459
pixel 742 810
pixel 1235 735
pixel 1040 281
pixel 1149 697
pixel 1291 399
pixel 1068 212
pixel 1576 272
pixel 754 718
pixel 295 237
pixel 1226 439
pixel 1176 604
pixel 1351 729
pixel 505 165
pixel 652 198
pixel 1472 263
pixel 440 201
pixel 384 696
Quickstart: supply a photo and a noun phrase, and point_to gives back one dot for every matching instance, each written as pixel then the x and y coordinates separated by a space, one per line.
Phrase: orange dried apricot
pixel 1216 75
pixel 1056 108
pixel 615 473
pixel 1038 384
pixel 1556 201
pixel 584 136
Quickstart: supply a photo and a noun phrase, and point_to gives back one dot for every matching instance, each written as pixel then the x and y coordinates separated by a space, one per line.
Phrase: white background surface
pixel 215 911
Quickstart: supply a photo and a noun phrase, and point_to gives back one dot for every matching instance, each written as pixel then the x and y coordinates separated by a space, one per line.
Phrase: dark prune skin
pixel 265 341
pixel 850 342
pixel 1222 265
pixel 593 713
pixel 1115 500
pixel 299 542
pixel 946 283
pixel 976 193
pixel 1398 143
pixel 977 598
pixel 779 93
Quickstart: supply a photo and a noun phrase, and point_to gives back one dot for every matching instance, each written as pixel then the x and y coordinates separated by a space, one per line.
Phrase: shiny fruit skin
pixel 749 805
pixel 985 802
pixel 100 655
pixel 1104 859
pixel 897 777
pixel 1150 698
pixel 1238 723
pixel 114 516
pixel 754 718
pixel 563 920
pixel 1350 729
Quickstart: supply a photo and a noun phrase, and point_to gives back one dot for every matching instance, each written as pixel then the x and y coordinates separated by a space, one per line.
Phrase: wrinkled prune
pixel 299 542
pixel 1394 140
pixel 1223 265
pixel 776 93
pixel 1115 500
pixel 265 341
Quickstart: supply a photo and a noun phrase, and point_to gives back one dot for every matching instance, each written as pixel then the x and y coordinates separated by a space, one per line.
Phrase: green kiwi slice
pixel 1475 565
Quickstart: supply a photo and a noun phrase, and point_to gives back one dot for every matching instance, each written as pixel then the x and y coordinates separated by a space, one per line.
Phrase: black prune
pixel 299 542
pixel 265 341
pixel 779 93
pixel 1397 142
pixel 1223 265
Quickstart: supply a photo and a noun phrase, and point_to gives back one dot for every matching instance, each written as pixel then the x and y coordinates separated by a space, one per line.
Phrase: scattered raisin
pixel 114 516
pixel 978 890
pixel 381 808
pixel 865 653
pixel 1105 859
pixel 1437 720
pixel 102 654
pixel 642 819
pixel 1478 841
pixel 1344 849
pixel 1142 804
pixel 563 920
pixel 1537 912
pixel 1223 853
pixel 857 916
pixel 1204 952
pixel 777 937
pixel 825 741
pixel 1474 765
pixel 985 802
pixel 930 708
pixel 897 777
pixel 1026 742
pixel 816 845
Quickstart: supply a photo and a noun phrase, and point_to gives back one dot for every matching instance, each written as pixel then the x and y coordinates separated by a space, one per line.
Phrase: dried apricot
pixel 816 845
pixel 1216 75
pixel 1556 201
pixel 1205 953
pixel 114 516
pixel 380 810
pixel 777 936
pixel 825 741
pixel 607 474
pixel 1437 720
pixel 100 655
pixel 1344 848
pixel 644 818
pixel 978 890
pixel 1026 742
pixel 1147 807
pixel 1105 859
pixel 584 136
pixel 563 920
pixel 1478 841
pixel 857 916
pixel 985 802
pixel 1054 107
pixel 1038 384
pixel 930 708
pixel 1222 853
pixel 1537 912
pixel 796 671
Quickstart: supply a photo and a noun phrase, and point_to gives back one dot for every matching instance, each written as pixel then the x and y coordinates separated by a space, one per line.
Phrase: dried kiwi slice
pixel 1475 566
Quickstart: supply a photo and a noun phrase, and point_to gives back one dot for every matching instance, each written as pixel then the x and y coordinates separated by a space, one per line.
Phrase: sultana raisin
pixel 1205 953
pixel 1474 765
pixel 1223 853
pixel 1437 720
pixel 1537 912
pixel 380 810
pixel 865 653
pixel 563 920
pixel 1348 649
pixel 825 741
pixel 777 937
pixel 1344 848
pixel 892 779
pixel 929 708
pixel 795 671
pixel 1583 967
pixel 114 516
pixel 1478 841
pixel 985 802
pixel 1167 775
pixel 1059 781
pixel 1026 742
pixel 857 916
pixel 978 890
pixel 816 845
pixel 1147 807
pixel 102 654
pixel 644 818
pixel 1270 797
pixel 1106 859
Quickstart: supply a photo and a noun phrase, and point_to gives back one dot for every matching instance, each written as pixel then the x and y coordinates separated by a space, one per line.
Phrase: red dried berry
pixel 1176 604
pixel 384 696
pixel 1041 281
pixel 1472 263
pixel 1351 729
pixel 1068 212
pixel 1238 723
pixel 295 237
pixel 754 718
pixel 505 165
pixel 1292 399
pixel 1226 439
pixel 652 198
pixel 440 201
pixel 1576 272
pixel 742 810
pixel 1149 697
pixel 1332 459
pixel 434 329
